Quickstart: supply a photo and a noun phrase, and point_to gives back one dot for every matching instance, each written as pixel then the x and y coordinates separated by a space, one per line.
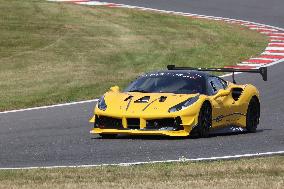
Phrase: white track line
pixel 274 48
pixel 205 16
pixel 63 0
pixel 275 43
pixel 259 58
pixel 250 64
pixel 92 3
pixel 51 106
pixel 273 63
pixel 269 53
pixel 152 162
pixel 263 28
pixel 277 40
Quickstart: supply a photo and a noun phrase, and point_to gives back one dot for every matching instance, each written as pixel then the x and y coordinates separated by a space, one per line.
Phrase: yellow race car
pixel 180 101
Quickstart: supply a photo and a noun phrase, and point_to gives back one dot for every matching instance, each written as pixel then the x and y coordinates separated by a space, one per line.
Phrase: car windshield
pixel 178 83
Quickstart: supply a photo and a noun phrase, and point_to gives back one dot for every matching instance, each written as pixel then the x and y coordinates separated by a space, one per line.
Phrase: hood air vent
pixel 144 99
pixel 162 99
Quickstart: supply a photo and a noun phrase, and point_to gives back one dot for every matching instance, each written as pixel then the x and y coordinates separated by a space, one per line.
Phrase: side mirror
pixel 114 89
pixel 221 93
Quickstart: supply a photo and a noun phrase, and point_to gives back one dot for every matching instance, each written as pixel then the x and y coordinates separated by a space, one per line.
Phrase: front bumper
pixel 174 126
pixel 139 132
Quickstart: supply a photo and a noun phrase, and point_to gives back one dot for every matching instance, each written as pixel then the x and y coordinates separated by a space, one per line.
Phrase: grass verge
pixel 245 173
pixel 58 52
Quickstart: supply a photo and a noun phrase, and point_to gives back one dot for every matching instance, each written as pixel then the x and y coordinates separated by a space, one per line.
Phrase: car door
pixel 221 106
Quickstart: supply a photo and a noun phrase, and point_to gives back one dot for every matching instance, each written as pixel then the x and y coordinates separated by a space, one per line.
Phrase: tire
pixel 204 121
pixel 253 114
pixel 108 136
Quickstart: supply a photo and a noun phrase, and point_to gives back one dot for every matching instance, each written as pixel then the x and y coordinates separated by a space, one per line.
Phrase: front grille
pixel 133 123
pixel 104 122
pixel 156 124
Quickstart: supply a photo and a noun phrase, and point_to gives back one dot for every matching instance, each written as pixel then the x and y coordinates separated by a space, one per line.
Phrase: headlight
pixel 184 104
pixel 102 104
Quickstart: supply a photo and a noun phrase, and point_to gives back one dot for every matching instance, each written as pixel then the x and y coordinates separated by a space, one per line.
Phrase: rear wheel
pixel 204 121
pixel 108 136
pixel 253 114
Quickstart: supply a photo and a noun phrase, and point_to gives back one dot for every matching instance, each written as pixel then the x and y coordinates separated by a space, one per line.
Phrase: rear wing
pixel 262 70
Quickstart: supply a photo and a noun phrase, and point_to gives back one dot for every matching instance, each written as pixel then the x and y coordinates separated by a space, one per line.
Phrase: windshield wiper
pixel 138 90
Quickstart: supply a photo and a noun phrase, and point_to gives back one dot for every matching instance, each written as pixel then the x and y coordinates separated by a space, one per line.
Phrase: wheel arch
pixel 249 92
pixel 251 126
pixel 256 98
pixel 207 102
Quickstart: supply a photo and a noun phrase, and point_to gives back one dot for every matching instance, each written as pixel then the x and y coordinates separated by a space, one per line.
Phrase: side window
pixel 214 84
pixel 224 83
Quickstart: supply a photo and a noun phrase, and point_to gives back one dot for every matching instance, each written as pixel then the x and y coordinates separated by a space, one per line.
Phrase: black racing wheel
pixel 204 121
pixel 253 114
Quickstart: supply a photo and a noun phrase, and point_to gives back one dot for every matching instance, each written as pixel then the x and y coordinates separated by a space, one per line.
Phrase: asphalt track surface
pixel 60 135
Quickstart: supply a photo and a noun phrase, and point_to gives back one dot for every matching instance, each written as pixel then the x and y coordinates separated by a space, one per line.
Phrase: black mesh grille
pixel 108 123
pixel 133 123
pixel 156 124
pixel 104 122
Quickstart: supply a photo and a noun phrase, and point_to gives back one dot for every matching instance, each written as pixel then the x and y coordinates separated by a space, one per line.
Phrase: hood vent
pixel 144 99
pixel 162 99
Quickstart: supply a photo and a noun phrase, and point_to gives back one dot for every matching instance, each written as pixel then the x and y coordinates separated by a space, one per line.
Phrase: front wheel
pixel 252 117
pixel 204 121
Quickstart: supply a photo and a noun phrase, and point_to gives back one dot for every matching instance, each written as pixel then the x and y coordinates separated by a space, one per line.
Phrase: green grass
pixel 58 52
pixel 257 173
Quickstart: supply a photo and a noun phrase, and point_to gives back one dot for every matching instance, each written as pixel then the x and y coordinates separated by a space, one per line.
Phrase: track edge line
pixel 228 157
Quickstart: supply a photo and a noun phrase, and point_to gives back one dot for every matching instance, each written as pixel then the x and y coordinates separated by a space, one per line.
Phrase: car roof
pixel 169 72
